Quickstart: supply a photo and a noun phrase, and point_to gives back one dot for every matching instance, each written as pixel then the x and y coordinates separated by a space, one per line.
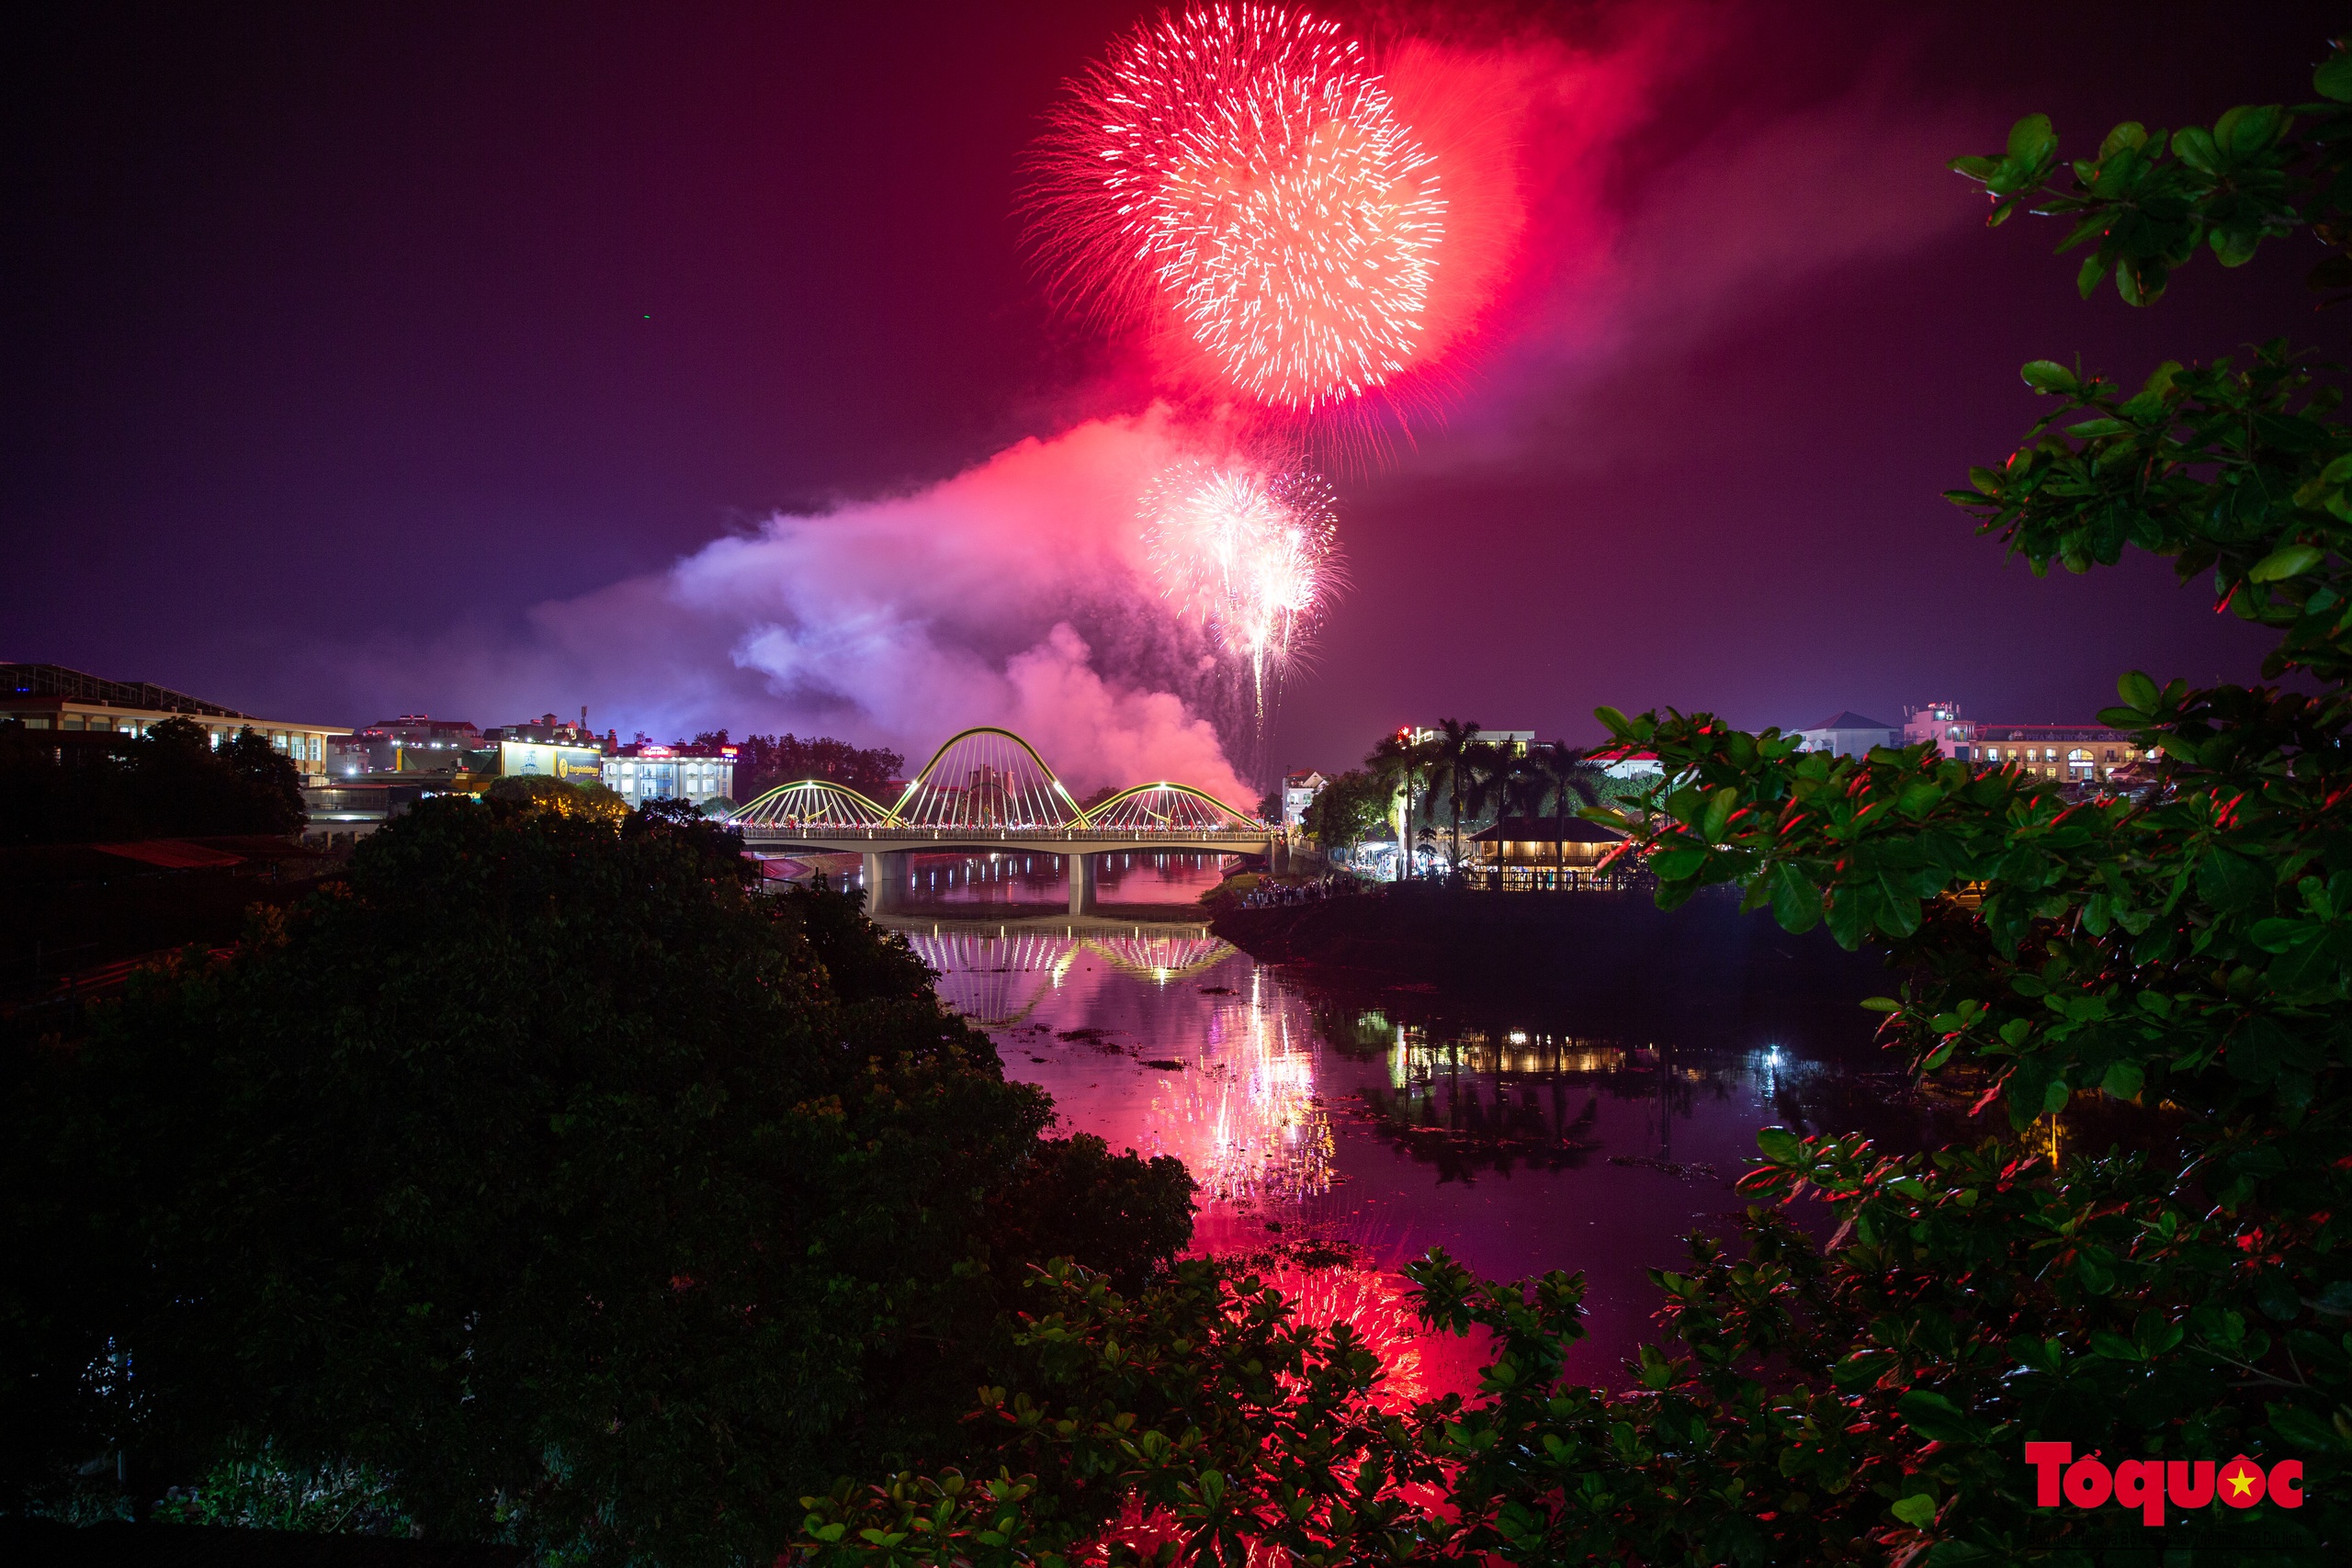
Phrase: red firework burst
pixel 1243 170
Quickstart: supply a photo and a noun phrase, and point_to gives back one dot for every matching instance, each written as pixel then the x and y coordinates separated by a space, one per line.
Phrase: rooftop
pixel 1543 829
pixel 76 686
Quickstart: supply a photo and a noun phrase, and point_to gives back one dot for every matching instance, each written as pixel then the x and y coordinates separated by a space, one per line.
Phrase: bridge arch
pixel 987 777
pixel 1169 808
pixel 812 803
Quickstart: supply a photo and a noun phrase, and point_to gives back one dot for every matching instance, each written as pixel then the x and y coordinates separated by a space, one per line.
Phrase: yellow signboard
pixel 525 759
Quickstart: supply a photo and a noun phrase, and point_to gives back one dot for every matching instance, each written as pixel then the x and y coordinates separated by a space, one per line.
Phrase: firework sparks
pixel 1243 168
pixel 1248 552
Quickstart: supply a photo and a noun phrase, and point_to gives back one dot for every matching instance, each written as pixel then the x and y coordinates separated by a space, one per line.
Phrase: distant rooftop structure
pixel 413 743
pixel 77 686
pixel 547 730
pixel 1850 733
pixel 1515 741
pixel 72 703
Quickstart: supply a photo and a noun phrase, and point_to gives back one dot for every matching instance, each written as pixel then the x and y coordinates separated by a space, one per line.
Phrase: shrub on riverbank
pixel 547 1171
pixel 2163 1312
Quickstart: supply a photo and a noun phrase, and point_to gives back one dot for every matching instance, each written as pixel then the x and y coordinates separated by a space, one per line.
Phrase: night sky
pixel 339 338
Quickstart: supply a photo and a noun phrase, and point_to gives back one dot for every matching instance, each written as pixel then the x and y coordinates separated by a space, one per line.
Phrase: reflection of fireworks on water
pixel 1251 553
pixel 1243 167
pixel 1373 1303
pixel 1247 1123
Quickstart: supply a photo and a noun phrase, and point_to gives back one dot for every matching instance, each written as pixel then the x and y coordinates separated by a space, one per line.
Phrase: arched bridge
pixel 987 789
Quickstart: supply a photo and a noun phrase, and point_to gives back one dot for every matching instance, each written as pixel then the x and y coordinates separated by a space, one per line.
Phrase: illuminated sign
pixel 525 759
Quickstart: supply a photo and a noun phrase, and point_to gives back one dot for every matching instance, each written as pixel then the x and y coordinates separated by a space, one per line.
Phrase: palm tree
pixel 1458 763
pixel 1398 762
pixel 1546 782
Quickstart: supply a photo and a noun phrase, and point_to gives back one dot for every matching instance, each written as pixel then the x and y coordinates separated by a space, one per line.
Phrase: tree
pixel 171 782
pixel 1402 764
pixel 549 1171
pixel 763 761
pixel 565 797
pixel 182 784
pixel 1465 769
pixel 1349 809
pixel 2176 967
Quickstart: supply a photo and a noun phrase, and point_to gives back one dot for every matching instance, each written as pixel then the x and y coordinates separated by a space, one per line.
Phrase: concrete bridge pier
pixel 886 881
pixel 1081 883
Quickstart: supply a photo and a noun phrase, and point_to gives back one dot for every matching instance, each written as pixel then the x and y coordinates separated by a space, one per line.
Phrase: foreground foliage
pixel 546 1170
pixel 2179 955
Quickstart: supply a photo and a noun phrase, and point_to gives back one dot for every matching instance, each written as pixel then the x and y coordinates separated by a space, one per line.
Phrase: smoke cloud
pixel 1010 594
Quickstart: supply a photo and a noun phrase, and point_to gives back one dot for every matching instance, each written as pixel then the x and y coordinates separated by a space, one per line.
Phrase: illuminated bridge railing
pixel 1081 836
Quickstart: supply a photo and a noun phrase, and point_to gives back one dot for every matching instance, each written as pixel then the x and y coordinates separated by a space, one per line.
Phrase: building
pixel 1536 853
pixel 51 697
pixel 348 810
pixel 413 743
pixel 639 773
pixel 1850 734
pixel 1939 723
pixel 2073 754
pixel 549 730
pixel 1299 791
pixel 1515 741
pixel 1627 766
pixel 2077 754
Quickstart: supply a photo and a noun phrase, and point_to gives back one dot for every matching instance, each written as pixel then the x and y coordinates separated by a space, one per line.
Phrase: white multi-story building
pixel 639 773
pixel 1299 791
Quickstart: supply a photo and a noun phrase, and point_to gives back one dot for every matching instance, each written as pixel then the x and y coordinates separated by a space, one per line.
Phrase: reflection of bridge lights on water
pixel 995 980
pixel 1242 1112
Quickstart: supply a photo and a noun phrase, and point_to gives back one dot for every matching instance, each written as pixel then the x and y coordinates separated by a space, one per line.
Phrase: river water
pixel 1384 1121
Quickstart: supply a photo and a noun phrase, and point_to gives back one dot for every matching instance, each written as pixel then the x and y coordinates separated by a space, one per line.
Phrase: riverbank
pixel 1609 952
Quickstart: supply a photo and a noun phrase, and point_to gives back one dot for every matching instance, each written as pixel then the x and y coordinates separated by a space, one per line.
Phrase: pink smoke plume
pixel 1010 594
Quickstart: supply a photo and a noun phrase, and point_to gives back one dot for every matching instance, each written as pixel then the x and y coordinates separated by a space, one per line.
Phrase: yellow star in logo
pixel 2240 1482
